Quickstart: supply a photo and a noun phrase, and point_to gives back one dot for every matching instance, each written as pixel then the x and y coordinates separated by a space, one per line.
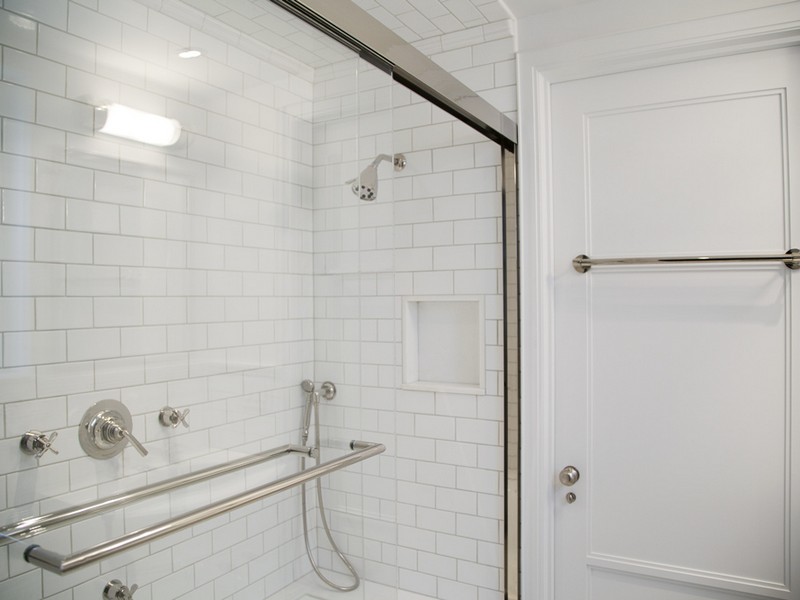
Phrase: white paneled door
pixel 676 387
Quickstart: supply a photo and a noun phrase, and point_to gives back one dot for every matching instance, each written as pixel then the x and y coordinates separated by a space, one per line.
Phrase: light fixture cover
pixel 138 125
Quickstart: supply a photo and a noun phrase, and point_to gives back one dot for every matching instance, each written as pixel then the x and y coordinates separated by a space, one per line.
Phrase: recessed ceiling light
pixel 190 53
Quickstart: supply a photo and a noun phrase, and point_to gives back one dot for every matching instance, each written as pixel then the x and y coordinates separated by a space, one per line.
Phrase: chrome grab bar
pixel 791 260
pixel 32 526
pixel 60 564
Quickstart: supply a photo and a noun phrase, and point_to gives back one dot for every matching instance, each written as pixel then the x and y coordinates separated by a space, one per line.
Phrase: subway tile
pixel 34 72
pixel 95 27
pixel 25 585
pixel 478 431
pixel 33 279
pixel 119 372
pixel 206 203
pixel 435 564
pixel 64 378
pixel 142 222
pixel 33 348
pixel 205 310
pixel 83 215
pixel 456 453
pixel 17 384
pixel 454 257
pixel 456 546
pixel 91 152
pixel 90 344
pixel 34 210
pixel 416 259
pixel 454 590
pixel 162 311
pixel 117 312
pixel 165 367
pixel 118 250
pixel 118 189
pixel 187 283
pixel 52 12
pixel 63 114
pixel 17 314
pixel 66 49
pixel 44 415
pixel 144 46
pixel 120 67
pixel 17 172
pixel 63 246
pixel 16 243
pixel 485 281
pixel 63 313
pixel 84 280
pixel 137 341
pixel 181 338
pixel 59 179
pixel 17 102
pixel 478 480
pixel 205 256
pixel 18 32
pixel 186 227
pixel 433 234
pixel 164 253
pixel 135 281
pixel 167 28
pixel 33 140
pixel 127 11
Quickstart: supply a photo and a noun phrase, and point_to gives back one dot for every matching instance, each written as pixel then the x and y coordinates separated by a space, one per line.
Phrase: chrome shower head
pixel 365 186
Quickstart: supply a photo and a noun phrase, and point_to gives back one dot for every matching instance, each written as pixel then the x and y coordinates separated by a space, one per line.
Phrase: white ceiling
pixel 524 8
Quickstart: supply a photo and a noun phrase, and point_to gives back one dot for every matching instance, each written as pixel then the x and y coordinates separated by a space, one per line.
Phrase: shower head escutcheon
pixel 365 186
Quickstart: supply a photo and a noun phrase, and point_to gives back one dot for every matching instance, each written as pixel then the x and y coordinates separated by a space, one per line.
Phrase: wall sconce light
pixel 123 121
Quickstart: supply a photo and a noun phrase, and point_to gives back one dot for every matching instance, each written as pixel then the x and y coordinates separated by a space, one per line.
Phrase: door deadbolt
pixel 569 475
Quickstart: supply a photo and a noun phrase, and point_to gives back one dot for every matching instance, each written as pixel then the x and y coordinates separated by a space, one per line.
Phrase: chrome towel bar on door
pixel 60 564
pixel 791 260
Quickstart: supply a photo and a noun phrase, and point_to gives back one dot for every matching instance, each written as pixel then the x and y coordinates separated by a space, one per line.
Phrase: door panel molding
pixel 677 574
pixel 671 573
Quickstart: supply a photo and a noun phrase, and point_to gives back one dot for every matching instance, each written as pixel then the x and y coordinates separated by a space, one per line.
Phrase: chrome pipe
pixel 791 259
pixel 32 526
pixel 60 564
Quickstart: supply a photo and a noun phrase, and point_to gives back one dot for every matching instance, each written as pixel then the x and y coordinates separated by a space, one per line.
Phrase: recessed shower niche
pixel 443 343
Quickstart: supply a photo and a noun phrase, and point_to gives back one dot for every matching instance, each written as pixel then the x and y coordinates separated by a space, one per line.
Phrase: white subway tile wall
pixel 178 276
pixel 442 478
pixel 218 273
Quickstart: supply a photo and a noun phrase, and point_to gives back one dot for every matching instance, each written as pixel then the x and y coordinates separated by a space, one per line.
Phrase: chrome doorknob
pixel 569 475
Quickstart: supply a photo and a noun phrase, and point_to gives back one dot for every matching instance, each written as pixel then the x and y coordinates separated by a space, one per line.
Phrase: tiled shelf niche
pixel 443 344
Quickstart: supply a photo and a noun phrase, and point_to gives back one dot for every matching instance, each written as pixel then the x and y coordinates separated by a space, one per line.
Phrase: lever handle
pixel 116 590
pixel 172 417
pixel 133 441
pixel 37 443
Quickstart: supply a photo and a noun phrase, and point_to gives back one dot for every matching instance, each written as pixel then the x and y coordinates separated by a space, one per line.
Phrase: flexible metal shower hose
pixel 342 557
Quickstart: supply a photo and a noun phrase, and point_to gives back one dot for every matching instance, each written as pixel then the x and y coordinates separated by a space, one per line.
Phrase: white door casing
pixel 672 386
